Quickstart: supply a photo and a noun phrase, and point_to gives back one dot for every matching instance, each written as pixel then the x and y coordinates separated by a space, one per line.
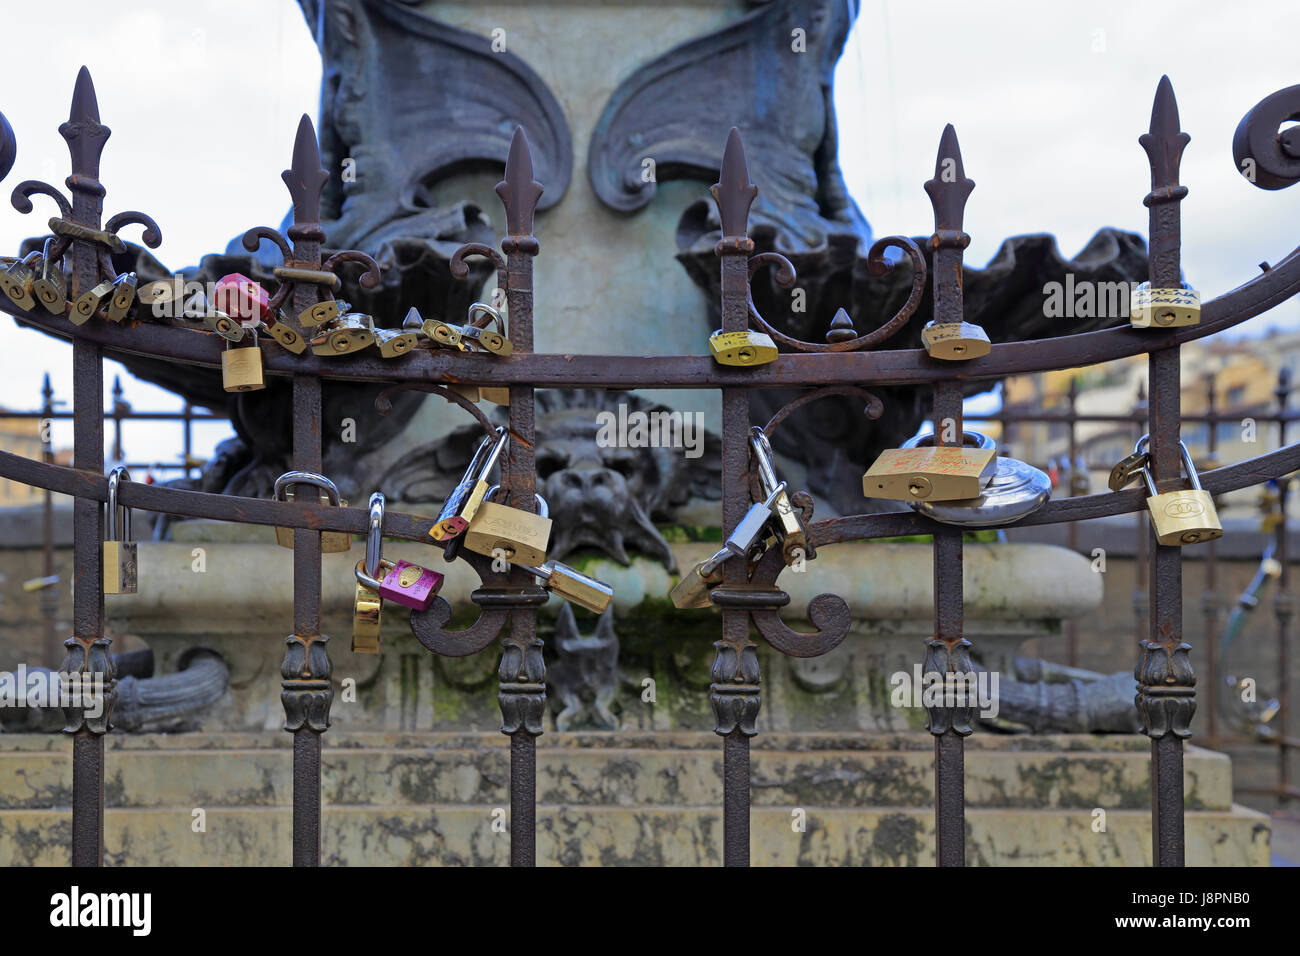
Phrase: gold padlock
pixel 496 394
pixel 518 536
pixel 241 368
pixel 692 591
pixel 955 341
pixel 223 325
pixel 1186 516
pixel 17 281
pixel 494 342
pixel 945 473
pixel 742 348
pixel 331 542
pixel 1164 308
pixel 367 612
pixel 88 302
pixel 574 586
pixel 393 343
pixel 349 333
pixel 283 333
pixel 466 498
pixel 122 298
pixel 50 287
pixel 120 555
pixel 794 540
pixel 321 313
pixel 164 297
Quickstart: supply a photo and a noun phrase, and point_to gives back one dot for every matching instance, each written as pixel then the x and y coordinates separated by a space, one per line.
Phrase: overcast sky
pixel 1048 101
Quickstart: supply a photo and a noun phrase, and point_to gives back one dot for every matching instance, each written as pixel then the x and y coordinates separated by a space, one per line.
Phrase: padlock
pixel 393 342
pixel 331 542
pixel 790 529
pixel 439 334
pixel 322 312
pixel 164 297
pixel 955 341
pixel 348 333
pixel 1016 490
pixel 50 287
pixel 88 302
pixel 121 560
pixel 222 324
pixel 1186 516
pixel 574 586
pixel 470 392
pixel 692 591
pixel 742 348
pixel 410 585
pixel 920 471
pixel 465 499
pixel 1164 308
pixel 17 281
pixel 496 394
pixel 521 537
pixel 241 298
pixel 285 334
pixel 241 368
pixel 122 297
pixel 367 605
pixel 494 342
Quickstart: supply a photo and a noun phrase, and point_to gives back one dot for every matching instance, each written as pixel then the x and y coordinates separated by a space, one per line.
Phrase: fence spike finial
pixel 950 188
pixel 83 131
pixel 1164 143
pixel 519 191
pixel 305 177
pixel 733 192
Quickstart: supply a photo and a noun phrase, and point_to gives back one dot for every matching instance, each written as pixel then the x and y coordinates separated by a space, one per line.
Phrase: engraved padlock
pixel 51 288
pixel 790 529
pixel 347 334
pixel 1186 516
pixel 284 334
pixel 494 342
pixel 241 368
pixel 1164 308
pixel 122 297
pixel 321 313
pixel 331 542
pixel 120 556
pixel 367 605
pixel 742 348
pixel 920 472
pixel 955 341
pixel 394 343
pixel 17 281
pixel 518 536
pixel 465 499
pixel 574 586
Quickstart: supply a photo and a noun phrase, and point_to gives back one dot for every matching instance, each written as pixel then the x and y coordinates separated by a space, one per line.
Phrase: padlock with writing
pixel 241 368
pixel 322 312
pixel 465 499
pixel 574 586
pixel 518 536
pixel 89 302
pixel 331 542
pixel 120 556
pixel 1185 516
pixel 955 341
pixel 122 297
pixel 402 582
pixel 790 529
pixel 285 334
pixel 1164 308
pixel 394 342
pixel 494 342
pixel 17 281
pixel 50 287
pixel 925 472
pixel 742 348
pixel 347 334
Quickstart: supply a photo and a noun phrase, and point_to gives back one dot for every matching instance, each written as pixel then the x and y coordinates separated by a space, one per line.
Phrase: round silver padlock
pixel 977 440
pixel 1017 490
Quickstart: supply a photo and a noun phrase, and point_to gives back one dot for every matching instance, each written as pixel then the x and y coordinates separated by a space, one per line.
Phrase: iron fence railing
pixel 509 600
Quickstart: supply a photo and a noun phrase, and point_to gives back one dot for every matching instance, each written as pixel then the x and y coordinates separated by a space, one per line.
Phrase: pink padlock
pixel 410 585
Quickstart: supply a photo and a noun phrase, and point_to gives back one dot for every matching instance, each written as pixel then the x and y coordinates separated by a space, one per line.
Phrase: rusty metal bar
pixel 1072 531
pixel 1283 606
pixel 1212 603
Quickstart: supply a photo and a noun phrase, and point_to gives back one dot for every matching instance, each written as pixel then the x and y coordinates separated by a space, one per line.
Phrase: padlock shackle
pixel 971 439
pixel 543 509
pixel 291 478
pixel 490 311
pixel 115 478
pixel 763 455
pixel 490 462
pixel 375 534
pixel 367 579
pixel 1188 465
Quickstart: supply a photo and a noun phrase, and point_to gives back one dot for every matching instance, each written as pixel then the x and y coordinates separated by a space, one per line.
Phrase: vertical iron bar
pixel 1072 529
pixel 1211 603
pixel 49 595
pixel 1283 608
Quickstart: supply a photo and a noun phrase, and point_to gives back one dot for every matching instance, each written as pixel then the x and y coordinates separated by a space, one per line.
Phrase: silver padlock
pixel 1016 489
pixel 692 591
pixel 120 556
pixel 790 529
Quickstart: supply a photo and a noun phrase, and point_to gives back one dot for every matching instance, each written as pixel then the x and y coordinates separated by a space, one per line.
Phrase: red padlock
pixel 241 298
pixel 410 585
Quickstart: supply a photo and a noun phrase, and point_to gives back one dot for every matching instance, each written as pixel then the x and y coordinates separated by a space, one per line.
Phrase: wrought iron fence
pixel 508 601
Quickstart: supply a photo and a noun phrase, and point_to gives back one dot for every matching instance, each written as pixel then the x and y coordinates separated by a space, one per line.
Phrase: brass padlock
pixel 321 313
pixel 120 557
pixel 50 287
pixel 17 281
pixel 88 302
pixel 930 473
pixel 439 334
pixel 494 342
pixel 164 297
pixel 574 586
pixel 793 538
pixel 496 394
pixel 955 341
pixel 742 348
pixel 1186 516
pixel 393 343
pixel 466 498
pixel 331 542
pixel 285 334
pixel 692 591
pixel 1164 308
pixel 122 297
pixel 367 605
pixel 518 536
pixel 347 334
pixel 241 368
pixel 223 325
